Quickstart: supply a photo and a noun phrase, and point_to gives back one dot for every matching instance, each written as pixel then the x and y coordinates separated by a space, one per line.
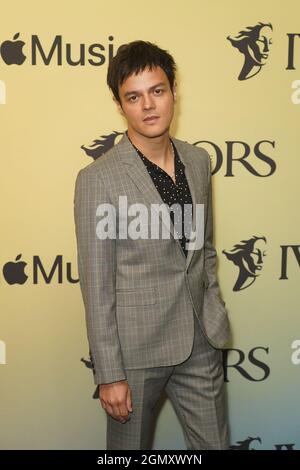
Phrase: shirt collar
pixel 149 163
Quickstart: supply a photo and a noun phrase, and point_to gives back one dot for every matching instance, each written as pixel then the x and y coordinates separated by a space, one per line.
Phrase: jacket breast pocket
pixel 136 297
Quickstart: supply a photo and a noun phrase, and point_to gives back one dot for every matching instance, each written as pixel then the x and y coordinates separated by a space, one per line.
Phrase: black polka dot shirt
pixel 171 192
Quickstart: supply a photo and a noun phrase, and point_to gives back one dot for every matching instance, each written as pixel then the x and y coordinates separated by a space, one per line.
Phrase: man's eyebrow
pixel 151 88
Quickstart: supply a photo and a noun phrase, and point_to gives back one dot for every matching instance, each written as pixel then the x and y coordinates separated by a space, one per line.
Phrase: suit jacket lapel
pixel 191 176
pixel 137 171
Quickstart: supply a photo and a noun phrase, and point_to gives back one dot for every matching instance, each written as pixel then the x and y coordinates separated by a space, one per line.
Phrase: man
pixel 155 318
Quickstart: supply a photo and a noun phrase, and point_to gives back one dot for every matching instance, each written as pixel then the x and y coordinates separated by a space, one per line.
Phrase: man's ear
pixel 118 106
pixel 175 90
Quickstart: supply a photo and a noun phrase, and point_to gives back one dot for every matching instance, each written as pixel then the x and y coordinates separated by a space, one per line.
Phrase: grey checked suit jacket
pixel 140 295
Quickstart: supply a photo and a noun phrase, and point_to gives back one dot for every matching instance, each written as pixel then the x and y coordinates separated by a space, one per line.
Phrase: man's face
pixel 144 95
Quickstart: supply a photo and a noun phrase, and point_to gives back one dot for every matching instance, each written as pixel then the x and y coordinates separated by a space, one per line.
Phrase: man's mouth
pixel 151 119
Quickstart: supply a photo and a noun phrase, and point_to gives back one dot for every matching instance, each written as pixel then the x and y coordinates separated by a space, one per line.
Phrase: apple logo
pixel 14 272
pixel 11 51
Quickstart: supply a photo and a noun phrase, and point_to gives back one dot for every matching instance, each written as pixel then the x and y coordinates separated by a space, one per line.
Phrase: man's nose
pixel 148 102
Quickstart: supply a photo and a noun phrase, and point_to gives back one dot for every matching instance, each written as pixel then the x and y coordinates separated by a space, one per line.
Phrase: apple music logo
pixel 14 271
pixel 59 52
pixel 2 352
pixel 11 51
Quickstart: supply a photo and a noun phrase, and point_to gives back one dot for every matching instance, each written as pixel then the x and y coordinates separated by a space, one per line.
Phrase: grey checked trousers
pixel 195 388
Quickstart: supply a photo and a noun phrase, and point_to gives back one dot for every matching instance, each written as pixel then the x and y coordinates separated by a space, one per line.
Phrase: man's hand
pixel 116 400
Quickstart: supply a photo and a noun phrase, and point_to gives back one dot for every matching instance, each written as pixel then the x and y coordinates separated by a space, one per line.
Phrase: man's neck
pixel 157 149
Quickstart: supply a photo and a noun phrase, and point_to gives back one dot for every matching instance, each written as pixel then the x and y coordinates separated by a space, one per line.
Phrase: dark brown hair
pixel 134 57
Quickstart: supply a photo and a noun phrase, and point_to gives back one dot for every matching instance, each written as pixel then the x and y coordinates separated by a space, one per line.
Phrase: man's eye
pixel 132 98
pixel 159 91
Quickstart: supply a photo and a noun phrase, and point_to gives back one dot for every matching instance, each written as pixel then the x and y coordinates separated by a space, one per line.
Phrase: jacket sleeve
pixel 97 268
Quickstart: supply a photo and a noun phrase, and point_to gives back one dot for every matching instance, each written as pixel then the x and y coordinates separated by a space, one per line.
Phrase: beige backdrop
pixel 49 111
